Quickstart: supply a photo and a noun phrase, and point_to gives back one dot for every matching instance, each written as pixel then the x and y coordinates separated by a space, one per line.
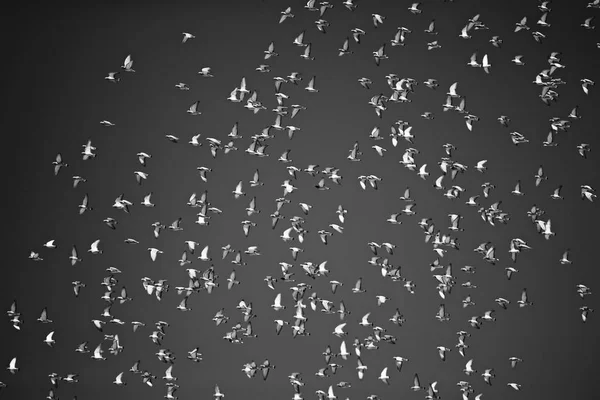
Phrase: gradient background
pixel 55 96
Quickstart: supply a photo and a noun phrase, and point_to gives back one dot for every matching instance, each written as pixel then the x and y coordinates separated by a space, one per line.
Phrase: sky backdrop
pixel 56 97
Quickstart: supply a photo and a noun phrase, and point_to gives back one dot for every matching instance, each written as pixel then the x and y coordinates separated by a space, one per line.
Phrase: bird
pixel 58 164
pixel 514 361
pixel 488 374
pixel 485 64
pixel 270 52
pixel 361 368
pixel 416 384
pixel 12 366
pixel 585 85
pixel 345 49
pixel 311 85
pixel 217 395
pixel 442 352
pixel 44 317
pixel 187 36
pixel 414 8
pixel 119 380
pixel 469 368
pixel 285 14
pixel 518 60
pixel 237 192
pixel 339 330
pixel 524 301
pixel 585 310
pixel 565 259
pixel 377 19
pixel 277 306
pixel 205 72
pixel 515 386
pixel 113 77
pixel 521 25
pixel 384 377
pixel 128 64
pixel 193 109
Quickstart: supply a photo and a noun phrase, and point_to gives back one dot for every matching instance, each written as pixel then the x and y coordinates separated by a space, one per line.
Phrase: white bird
pixel 339 330
pixel 140 176
pixel 423 174
pixel 361 368
pixel 299 40
pixel 349 4
pixel 452 90
pixel 381 299
pixel 204 254
pixel 365 320
pixel 473 61
pixel 377 19
pixel 255 180
pixel 384 377
pixel 485 64
pixel 546 226
pixel 380 150
pixel 416 384
pixel 287 13
pixel 565 258
pixel 518 60
pixel 488 374
pixel 481 166
pixel 270 52
pixel 277 306
pixel 218 394
pixel 524 299
pixel 514 361
pixel 414 8
pixel 94 247
pixel 345 49
pixel 88 151
pixel 337 228
pixel 12 366
pixel 113 77
pixel 515 386
pixel 58 164
pixel 237 193
pixel 205 72
pixel 306 55
pixel 469 368
pixel 119 380
pixel 343 351
pixel 311 85
pixel 517 190
pixel 585 84
pixel 154 252
pixel 464 33
pixel 50 244
pixel 73 257
pixel 193 109
pixel 97 355
pixel 128 64
pixel 187 36
pixel 49 339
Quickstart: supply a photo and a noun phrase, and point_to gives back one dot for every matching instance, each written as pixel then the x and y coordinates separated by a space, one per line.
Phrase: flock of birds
pixel 295 322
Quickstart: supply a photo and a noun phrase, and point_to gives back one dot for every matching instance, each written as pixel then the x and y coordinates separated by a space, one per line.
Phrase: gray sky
pixel 56 64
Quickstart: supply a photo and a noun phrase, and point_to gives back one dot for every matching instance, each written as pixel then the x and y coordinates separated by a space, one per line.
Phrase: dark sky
pixel 55 61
